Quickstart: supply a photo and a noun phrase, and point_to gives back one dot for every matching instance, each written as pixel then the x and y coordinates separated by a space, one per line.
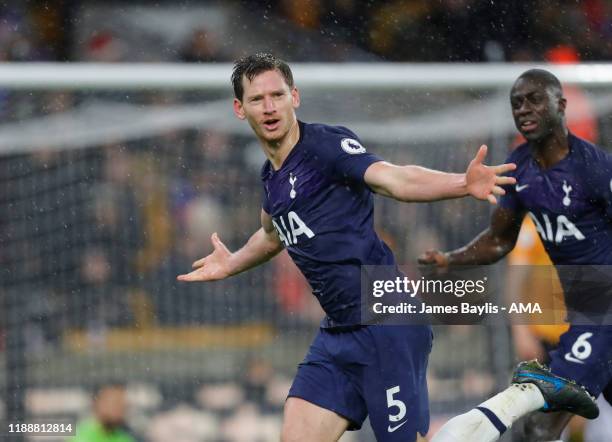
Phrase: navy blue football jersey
pixel 323 213
pixel 570 204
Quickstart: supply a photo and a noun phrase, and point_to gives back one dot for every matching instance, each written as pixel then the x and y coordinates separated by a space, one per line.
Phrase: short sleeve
pixel 265 201
pixel 344 155
pixel 510 200
pixel 265 174
pixel 600 175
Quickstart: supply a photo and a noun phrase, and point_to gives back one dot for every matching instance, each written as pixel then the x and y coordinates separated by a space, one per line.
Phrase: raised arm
pixel 221 263
pixel 415 183
pixel 488 247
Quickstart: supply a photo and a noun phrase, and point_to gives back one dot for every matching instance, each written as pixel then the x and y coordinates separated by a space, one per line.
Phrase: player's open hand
pixel 484 182
pixel 212 267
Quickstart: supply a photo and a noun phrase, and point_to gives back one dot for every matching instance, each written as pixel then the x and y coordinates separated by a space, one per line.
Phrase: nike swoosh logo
pixel 519 188
pixel 391 429
pixel 558 383
pixel 571 358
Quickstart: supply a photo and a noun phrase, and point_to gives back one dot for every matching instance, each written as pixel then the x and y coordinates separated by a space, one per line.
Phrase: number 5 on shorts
pixel 392 402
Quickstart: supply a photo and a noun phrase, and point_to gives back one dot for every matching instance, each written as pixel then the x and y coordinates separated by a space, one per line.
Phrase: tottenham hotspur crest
pixel 566 189
pixel 292 180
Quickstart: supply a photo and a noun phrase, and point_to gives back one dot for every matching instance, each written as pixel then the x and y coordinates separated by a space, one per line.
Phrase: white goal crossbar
pixel 96 120
pixel 134 76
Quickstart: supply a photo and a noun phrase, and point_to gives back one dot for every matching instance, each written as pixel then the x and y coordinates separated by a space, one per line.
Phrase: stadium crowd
pixel 392 30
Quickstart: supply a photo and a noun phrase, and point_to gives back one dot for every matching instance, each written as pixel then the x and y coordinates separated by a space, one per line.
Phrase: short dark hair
pixel 546 78
pixel 253 65
pixel 97 389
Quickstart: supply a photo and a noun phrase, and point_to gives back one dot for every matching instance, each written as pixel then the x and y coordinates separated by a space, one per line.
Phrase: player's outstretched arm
pixel 488 247
pixel 221 263
pixel 415 183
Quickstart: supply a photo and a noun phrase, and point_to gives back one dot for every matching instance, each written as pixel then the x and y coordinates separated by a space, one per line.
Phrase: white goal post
pixel 175 76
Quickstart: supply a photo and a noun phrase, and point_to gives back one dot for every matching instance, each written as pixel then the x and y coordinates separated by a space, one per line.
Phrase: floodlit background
pixel 108 192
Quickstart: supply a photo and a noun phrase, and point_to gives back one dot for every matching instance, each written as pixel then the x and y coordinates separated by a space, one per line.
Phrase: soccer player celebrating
pixel 565 184
pixel 318 182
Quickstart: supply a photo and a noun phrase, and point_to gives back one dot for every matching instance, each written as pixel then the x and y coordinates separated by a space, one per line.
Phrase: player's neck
pixel 550 150
pixel 278 151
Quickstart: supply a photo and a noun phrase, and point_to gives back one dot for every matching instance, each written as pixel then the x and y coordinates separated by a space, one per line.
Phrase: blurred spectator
pixel 105 47
pixel 16 39
pixel 397 28
pixel 305 14
pixel 152 196
pixel 108 421
pixel 448 30
pixel 117 220
pixel 459 30
pixel 99 302
pixel 202 47
pixel 258 375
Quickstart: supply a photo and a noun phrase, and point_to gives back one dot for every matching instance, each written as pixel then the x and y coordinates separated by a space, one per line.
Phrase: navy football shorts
pixel 378 371
pixel 584 355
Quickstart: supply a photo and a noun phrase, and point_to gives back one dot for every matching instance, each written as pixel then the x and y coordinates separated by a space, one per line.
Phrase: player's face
pixel 111 407
pixel 268 104
pixel 536 110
